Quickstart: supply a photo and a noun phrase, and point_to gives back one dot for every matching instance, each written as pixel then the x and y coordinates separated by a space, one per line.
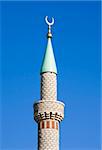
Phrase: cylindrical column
pixel 48 86
pixel 48 135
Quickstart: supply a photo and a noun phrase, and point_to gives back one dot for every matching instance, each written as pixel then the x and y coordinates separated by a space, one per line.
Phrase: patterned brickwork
pixel 48 138
pixel 49 106
pixel 48 86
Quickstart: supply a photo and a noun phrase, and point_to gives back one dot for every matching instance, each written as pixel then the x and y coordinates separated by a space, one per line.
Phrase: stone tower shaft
pixel 48 112
pixel 48 86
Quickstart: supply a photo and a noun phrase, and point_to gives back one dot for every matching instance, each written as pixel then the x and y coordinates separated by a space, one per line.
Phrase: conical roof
pixel 48 64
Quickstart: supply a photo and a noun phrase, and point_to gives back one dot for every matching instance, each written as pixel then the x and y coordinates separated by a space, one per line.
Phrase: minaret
pixel 48 112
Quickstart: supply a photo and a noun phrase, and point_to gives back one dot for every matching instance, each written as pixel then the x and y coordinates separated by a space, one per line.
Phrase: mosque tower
pixel 48 112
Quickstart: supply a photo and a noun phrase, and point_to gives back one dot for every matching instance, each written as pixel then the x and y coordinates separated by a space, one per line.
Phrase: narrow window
pixel 53 124
pixel 57 125
pixel 42 124
pixel 47 124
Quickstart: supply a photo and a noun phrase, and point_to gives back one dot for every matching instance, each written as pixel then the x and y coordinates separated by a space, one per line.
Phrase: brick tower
pixel 48 112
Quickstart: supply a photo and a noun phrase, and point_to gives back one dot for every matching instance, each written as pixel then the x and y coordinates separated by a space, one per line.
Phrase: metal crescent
pixel 49 23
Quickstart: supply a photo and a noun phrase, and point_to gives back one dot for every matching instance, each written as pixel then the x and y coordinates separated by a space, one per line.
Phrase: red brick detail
pixel 53 124
pixel 57 125
pixel 47 124
pixel 42 124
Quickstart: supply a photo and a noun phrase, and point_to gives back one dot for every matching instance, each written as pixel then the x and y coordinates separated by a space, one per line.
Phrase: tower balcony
pixel 48 110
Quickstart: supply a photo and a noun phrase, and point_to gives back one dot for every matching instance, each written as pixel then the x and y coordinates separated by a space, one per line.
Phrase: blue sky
pixel 76 43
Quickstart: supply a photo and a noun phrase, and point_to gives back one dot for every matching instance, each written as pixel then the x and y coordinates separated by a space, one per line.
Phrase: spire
pixel 48 64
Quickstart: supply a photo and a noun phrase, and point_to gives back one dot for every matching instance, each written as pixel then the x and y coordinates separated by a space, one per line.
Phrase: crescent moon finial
pixel 49 35
pixel 49 23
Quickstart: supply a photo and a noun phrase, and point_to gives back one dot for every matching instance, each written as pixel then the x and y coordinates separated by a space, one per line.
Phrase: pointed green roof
pixel 48 64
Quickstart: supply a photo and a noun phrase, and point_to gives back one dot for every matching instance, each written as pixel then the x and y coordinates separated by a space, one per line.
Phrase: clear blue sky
pixel 76 43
